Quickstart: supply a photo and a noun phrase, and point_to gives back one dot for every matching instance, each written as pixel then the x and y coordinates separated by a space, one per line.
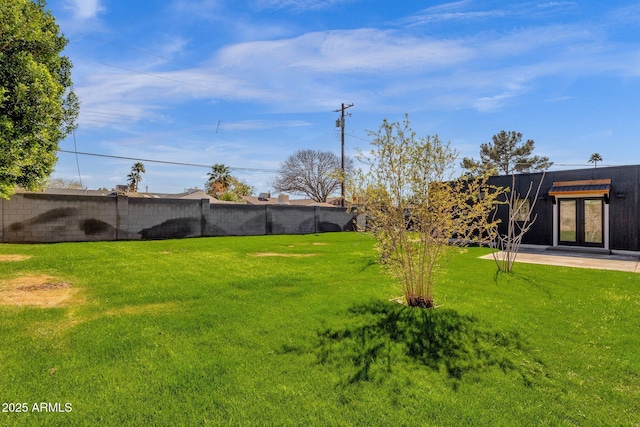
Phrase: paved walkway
pixel 624 262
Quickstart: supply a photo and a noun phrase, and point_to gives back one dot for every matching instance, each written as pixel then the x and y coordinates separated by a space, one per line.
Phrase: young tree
pixel 316 174
pixel 595 158
pixel 415 208
pixel 505 155
pixel 219 180
pixel 135 176
pixel 519 221
pixel 37 106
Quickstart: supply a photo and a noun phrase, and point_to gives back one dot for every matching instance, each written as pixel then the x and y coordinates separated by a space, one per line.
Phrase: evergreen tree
pixel 506 155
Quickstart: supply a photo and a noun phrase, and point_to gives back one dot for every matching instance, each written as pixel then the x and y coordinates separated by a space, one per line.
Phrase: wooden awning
pixel 586 188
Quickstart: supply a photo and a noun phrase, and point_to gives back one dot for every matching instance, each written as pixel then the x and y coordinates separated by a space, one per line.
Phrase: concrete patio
pixel 620 261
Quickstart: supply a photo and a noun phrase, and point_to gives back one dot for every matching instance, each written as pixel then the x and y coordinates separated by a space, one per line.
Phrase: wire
pixel 166 162
pixel 144 73
pixel 580 165
pixel 75 147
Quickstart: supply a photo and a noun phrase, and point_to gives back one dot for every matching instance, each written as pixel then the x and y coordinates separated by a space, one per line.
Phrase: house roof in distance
pixel 261 200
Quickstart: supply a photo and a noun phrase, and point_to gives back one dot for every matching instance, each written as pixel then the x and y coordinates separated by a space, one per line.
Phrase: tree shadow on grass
pixel 381 335
pixel 532 281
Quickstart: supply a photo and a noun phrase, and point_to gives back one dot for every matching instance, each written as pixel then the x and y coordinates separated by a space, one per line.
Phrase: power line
pixel 145 73
pixel 75 147
pixel 554 163
pixel 166 162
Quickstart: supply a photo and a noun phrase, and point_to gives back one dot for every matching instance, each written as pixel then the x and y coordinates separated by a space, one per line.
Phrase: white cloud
pixel 261 124
pixel 299 4
pixel 628 15
pixel 378 68
pixel 85 9
pixel 362 50
pixel 557 4
pixel 455 11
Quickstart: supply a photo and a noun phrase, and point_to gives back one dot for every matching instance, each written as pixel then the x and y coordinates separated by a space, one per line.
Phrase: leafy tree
pixel 595 158
pixel 236 190
pixel 506 155
pixel 414 206
pixel 135 176
pixel 239 188
pixel 37 105
pixel 219 180
pixel 315 174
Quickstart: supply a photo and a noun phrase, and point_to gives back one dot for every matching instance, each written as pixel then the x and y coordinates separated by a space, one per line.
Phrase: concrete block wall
pixel 334 219
pixel 164 218
pixel 37 217
pixel 235 220
pixel 291 219
pixel 33 217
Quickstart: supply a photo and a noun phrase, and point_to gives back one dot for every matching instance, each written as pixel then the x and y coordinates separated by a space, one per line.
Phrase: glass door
pixel 581 222
pixel 593 222
pixel 568 222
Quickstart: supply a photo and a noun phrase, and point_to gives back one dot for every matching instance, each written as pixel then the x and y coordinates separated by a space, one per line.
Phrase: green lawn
pixel 205 332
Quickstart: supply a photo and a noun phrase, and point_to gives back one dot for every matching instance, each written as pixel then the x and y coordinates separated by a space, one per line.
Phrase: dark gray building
pixel 595 207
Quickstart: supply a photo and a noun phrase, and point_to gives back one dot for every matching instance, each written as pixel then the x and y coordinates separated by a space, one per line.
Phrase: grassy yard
pixel 299 330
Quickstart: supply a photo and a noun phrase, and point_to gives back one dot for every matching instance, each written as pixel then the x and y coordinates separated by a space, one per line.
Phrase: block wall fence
pixel 40 218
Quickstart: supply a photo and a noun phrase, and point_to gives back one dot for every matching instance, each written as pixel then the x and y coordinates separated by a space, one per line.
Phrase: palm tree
pixel 219 179
pixel 135 176
pixel 595 158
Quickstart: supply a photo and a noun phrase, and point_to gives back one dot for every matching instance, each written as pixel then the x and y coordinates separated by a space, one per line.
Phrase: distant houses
pixel 199 194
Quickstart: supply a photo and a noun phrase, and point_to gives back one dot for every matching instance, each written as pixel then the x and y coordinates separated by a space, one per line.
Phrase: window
pixel 521 210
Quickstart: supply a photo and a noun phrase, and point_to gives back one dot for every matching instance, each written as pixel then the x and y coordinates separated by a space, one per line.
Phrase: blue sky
pixel 248 82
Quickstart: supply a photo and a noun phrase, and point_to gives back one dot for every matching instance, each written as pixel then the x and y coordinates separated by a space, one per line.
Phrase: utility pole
pixel 341 124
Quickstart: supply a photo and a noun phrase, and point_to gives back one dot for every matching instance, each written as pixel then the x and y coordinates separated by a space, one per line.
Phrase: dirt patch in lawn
pixel 39 290
pixel 270 254
pixel 14 258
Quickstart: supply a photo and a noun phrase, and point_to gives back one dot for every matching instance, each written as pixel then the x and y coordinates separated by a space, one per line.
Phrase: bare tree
pixel 316 174
pixel 66 183
pixel 415 208
pixel 519 221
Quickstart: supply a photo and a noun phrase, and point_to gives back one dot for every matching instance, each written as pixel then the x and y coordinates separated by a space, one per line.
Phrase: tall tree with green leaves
pixel 134 178
pixel 38 107
pixel 506 155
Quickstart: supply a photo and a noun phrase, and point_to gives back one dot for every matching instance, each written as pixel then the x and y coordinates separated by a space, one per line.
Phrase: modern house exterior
pixel 581 208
